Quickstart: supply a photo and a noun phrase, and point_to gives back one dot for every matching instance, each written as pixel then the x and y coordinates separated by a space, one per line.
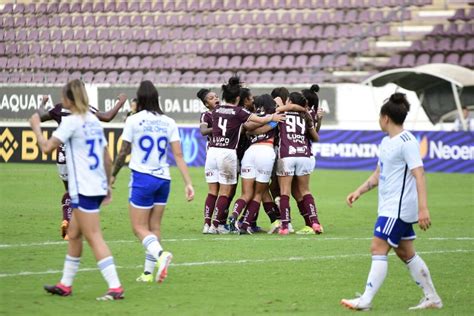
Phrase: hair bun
pixel 400 98
pixel 235 80
pixel 314 88
pixel 201 94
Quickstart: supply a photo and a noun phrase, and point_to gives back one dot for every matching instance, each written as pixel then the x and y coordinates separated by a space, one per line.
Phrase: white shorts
pixel 294 166
pixel 62 170
pixel 221 166
pixel 258 163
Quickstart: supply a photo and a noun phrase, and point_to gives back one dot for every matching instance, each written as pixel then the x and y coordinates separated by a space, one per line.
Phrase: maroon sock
pixel 209 206
pixel 239 206
pixel 219 212
pixel 304 213
pixel 254 221
pixel 251 214
pixel 66 206
pixel 284 211
pixel 271 210
pixel 310 206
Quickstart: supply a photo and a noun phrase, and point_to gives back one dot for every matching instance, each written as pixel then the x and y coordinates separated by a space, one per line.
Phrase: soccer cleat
pixel 64 227
pixel 317 228
pixel 222 229
pixel 257 229
pixel 247 231
pixel 58 289
pixel 305 231
pixel 274 227
pixel 205 229
pixel 426 303
pixel 356 304
pixel 163 262
pixel 291 230
pixel 283 231
pixel 232 225
pixel 112 295
pixel 145 277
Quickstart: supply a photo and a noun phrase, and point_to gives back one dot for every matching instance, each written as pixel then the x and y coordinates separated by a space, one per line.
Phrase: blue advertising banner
pixel 359 150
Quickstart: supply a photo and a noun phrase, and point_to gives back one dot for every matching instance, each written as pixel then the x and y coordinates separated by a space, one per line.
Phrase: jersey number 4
pixel 147 143
pixel 222 124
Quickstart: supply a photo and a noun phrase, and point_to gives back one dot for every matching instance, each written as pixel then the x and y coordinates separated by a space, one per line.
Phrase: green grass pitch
pixel 231 275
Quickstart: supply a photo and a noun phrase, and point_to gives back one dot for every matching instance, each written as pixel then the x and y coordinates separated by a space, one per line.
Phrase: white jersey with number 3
pixel 84 138
pixel 150 135
pixel 398 196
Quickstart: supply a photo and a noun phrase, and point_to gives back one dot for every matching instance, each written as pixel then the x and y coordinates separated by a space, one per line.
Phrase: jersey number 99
pixel 147 143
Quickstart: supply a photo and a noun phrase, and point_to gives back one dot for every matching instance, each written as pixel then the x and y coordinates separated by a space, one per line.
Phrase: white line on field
pixel 241 261
pixel 233 238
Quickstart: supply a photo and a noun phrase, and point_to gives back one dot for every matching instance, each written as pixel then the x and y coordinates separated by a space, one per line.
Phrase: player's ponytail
pixel 231 90
pixel 148 97
pixel 311 95
pixel 75 92
pixel 396 108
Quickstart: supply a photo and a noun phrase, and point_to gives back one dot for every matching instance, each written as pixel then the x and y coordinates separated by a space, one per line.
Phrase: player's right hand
pixel 277 117
pixel 352 197
pixel 122 97
pixel 44 100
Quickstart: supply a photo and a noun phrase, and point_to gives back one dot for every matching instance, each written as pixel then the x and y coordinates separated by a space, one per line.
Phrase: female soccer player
pixel 210 101
pixel 294 159
pixel 257 165
pixel 147 135
pixel 402 202
pixel 221 162
pixel 88 167
pixel 56 114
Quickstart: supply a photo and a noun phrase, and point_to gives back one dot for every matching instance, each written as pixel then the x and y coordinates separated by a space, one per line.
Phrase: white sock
pixel 377 274
pixel 109 272
pixel 71 265
pixel 150 262
pixel 153 246
pixel 421 275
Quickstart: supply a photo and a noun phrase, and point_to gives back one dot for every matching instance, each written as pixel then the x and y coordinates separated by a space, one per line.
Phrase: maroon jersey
pixel 254 139
pixel 293 140
pixel 206 118
pixel 244 144
pixel 57 113
pixel 227 123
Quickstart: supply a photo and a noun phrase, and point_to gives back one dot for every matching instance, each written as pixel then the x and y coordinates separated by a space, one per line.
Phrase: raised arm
pixel 423 213
pixel 110 115
pixel 42 112
pixel 368 185
pixel 291 108
pixel 183 168
pixel 45 145
pixel 125 150
pixel 260 130
pixel 266 119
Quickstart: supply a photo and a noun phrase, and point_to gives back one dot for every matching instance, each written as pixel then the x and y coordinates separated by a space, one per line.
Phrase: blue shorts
pixel 147 190
pixel 393 230
pixel 88 204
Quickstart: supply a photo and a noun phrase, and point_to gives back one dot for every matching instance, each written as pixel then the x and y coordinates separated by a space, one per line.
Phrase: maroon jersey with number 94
pixel 293 141
pixel 227 123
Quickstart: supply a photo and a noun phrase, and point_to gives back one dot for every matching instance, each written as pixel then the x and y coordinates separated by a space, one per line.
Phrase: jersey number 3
pixel 92 154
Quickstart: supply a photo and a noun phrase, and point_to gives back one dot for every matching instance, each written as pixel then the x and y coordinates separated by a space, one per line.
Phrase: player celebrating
pixel 56 114
pixel 402 202
pixel 221 162
pixel 89 172
pixel 210 101
pixel 147 135
pixel 294 160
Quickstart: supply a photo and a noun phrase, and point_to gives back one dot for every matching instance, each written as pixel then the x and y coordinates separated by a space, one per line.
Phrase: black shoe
pixel 112 295
pixel 232 227
pixel 58 289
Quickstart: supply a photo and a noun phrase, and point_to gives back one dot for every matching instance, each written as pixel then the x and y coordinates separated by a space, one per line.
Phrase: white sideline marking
pixel 233 238
pixel 241 261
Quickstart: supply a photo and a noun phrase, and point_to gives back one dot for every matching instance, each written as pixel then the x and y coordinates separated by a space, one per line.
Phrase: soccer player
pixel 210 101
pixel 147 135
pixel 221 162
pixel 294 160
pixel 88 167
pixel 402 202
pixel 257 165
pixel 56 114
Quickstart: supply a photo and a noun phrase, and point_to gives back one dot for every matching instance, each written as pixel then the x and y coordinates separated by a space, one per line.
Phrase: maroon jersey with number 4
pixel 293 141
pixel 227 123
pixel 57 113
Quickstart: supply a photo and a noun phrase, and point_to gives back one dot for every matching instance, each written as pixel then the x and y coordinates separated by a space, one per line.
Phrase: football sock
pixel 219 213
pixel 152 245
pixel 271 209
pixel 239 206
pixel 303 213
pixel 251 214
pixel 284 211
pixel 421 275
pixel 310 207
pixel 377 274
pixel 210 204
pixel 109 272
pixel 66 207
pixel 71 265
pixel 150 262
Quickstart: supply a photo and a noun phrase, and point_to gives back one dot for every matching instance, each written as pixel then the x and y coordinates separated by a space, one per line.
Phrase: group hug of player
pixel 267 140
